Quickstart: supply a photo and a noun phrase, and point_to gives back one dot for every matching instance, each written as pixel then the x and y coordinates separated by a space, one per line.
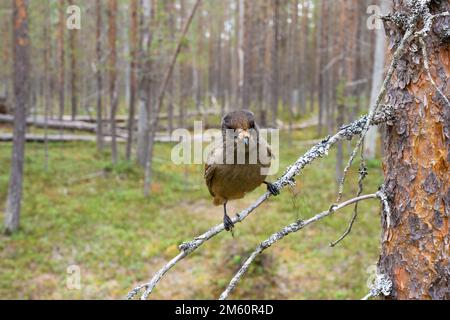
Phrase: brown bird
pixel 234 165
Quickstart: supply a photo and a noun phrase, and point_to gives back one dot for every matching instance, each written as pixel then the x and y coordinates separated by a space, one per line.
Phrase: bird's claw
pixel 228 223
pixel 272 189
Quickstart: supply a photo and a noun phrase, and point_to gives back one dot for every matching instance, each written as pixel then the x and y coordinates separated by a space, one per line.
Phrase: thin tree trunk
pixel 145 92
pixel 22 98
pixel 61 57
pixel 99 78
pixel 274 63
pixel 113 94
pixel 47 98
pixel 73 69
pixel 377 80
pixel 241 27
pixel 303 60
pixel 133 73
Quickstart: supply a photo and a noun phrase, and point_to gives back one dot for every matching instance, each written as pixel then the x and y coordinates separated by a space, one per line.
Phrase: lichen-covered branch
pixel 293 227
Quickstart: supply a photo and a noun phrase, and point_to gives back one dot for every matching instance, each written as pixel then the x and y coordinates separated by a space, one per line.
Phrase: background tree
pixel 112 67
pixel 21 42
pixel 133 73
pixel 98 73
pixel 377 80
pixel 61 56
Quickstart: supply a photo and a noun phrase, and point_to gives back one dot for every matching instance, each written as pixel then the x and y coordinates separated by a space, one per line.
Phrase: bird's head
pixel 240 127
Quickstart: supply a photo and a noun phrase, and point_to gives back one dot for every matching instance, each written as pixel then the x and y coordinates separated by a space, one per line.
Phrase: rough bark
pixel 22 98
pixel 415 247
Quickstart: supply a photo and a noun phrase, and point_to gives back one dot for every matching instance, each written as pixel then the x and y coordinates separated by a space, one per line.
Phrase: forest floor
pixel 84 212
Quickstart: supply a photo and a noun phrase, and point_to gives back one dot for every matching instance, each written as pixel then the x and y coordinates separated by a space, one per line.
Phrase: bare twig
pixel 362 176
pixel 293 227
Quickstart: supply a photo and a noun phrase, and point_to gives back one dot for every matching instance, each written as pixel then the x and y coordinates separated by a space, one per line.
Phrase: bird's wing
pixel 209 176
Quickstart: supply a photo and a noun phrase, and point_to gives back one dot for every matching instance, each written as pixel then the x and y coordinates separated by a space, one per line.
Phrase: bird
pixel 233 167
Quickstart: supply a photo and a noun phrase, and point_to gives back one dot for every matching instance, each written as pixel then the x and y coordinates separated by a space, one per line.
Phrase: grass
pixel 117 238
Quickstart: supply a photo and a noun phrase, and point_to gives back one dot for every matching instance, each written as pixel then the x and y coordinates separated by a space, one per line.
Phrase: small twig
pixel 362 176
pixel 294 227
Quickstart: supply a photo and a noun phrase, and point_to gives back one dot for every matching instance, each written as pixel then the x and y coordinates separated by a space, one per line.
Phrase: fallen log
pixel 39 122
pixel 124 118
pixel 40 138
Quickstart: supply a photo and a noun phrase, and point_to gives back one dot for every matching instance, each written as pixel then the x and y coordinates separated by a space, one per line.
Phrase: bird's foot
pixel 272 189
pixel 228 223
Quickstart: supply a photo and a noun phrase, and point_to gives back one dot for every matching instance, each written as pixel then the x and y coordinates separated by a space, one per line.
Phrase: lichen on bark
pixel 415 252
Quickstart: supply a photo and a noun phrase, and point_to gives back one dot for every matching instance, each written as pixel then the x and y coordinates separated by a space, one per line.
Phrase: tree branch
pixel 293 227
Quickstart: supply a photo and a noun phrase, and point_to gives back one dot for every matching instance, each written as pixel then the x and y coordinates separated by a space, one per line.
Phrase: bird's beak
pixel 245 137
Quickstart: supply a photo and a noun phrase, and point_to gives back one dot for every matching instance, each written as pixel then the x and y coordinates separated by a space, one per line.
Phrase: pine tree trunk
pixel 133 73
pixel 73 70
pixel 415 248
pixel 22 98
pixel 274 63
pixel 61 57
pixel 99 78
pixel 113 94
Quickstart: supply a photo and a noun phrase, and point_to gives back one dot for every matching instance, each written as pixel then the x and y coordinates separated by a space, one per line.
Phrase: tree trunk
pixel 73 69
pixel 274 63
pixel 99 79
pixel 22 98
pixel 377 80
pixel 133 72
pixel 61 57
pixel 145 68
pixel 415 247
pixel 113 94
pixel 303 64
